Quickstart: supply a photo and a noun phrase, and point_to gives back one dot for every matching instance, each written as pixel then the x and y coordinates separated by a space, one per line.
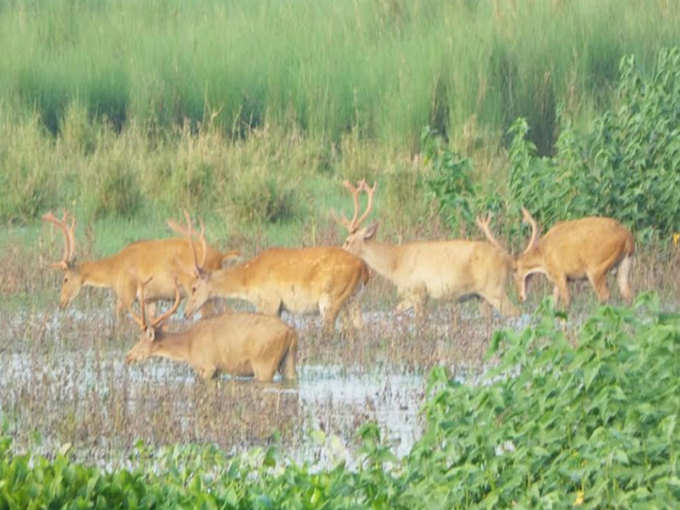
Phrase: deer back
pixel 232 342
pixel 298 277
pixel 572 247
pixel 441 267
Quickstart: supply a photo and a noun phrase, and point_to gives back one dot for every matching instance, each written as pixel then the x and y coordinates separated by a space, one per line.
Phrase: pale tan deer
pixel 576 249
pixel 166 259
pixel 321 279
pixel 429 269
pixel 243 344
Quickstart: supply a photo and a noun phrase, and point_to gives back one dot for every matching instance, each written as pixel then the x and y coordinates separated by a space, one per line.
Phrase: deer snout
pixel 521 288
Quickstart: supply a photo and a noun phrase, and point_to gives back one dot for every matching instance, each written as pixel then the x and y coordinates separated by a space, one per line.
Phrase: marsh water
pixel 64 381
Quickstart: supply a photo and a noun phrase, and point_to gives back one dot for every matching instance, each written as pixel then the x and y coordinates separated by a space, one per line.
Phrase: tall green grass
pixel 385 68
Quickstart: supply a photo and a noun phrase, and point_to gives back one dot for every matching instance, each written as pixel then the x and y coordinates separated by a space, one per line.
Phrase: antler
pixel 483 224
pixel 69 238
pixel 158 320
pixel 141 320
pixel 527 218
pixel 188 233
pixel 353 224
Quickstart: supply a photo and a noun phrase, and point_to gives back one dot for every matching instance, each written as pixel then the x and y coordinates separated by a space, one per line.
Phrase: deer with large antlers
pixel 243 344
pixel 576 249
pixel 429 269
pixel 166 259
pixel 320 279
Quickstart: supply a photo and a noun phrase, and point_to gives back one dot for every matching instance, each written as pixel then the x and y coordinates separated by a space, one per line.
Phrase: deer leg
pixel 127 293
pixel 403 305
pixel 598 279
pixel 556 294
pixel 419 302
pixel 561 290
pixel 354 312
pixel 485 308
pixel 411 298
pixel 500 302
pixel 352 321
pixel 206 372
pixel 264 371
pixel 622 278
pixel 454 315
pixel 289 363
pixel 329 313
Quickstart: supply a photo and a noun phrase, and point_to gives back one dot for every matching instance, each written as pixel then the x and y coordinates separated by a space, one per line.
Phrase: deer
pixel 429 269
pixel 584 248
pixel 164 258
pixel 321 279
pixel 238 343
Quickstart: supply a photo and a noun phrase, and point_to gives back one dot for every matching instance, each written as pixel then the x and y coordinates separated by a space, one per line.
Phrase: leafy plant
pixel 558 425
pixel 627 166
pixel 451 182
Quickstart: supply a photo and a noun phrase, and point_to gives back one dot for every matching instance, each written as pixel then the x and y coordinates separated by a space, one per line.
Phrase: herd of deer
pixel 326 280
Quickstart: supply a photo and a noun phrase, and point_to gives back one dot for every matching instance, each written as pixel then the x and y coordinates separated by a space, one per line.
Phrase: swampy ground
pixel 64 379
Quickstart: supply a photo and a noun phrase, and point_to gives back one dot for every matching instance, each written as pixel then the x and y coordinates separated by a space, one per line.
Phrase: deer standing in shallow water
pixel 584 248
pixel 321 279
pixel 165 259
pixel 243 344
pixel 429 269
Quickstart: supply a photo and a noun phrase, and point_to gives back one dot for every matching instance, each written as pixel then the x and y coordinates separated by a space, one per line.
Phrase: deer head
pixel 144 347
pixel 73 279
pixel 357 236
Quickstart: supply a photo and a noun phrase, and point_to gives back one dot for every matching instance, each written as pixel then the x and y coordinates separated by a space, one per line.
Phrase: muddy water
pixel 62 384
pixel 324 408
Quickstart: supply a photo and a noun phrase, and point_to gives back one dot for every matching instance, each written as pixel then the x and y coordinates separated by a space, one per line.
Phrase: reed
pixel 385 68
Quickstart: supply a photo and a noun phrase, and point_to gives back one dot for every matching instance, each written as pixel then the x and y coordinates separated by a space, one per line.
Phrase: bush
pixel 555 425
pixel 115 190
pixel 261 197
pixel 28 176
pixel 460 199
pixel 627 166
pixel 451 182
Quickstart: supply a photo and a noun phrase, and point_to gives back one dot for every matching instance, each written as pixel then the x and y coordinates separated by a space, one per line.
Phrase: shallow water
pixel 69 386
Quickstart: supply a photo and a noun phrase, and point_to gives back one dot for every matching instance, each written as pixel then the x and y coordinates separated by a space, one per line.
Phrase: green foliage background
pixel 250 111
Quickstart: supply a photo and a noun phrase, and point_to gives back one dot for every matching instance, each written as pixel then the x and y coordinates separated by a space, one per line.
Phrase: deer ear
pixel 369 233
pixel 150 334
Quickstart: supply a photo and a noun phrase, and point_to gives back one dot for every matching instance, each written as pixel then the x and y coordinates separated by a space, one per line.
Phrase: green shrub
pixel 28 175
pixel 626 166
pixel 255 198
pixel 556 425
pixel 460 198
pixel 451 181
pixel 115 190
